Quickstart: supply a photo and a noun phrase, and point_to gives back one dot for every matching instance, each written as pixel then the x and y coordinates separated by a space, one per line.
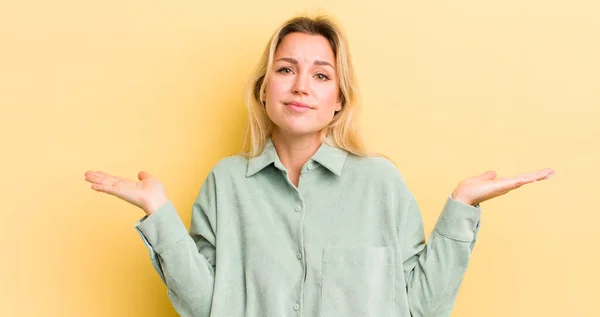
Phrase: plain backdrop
pixel 451 89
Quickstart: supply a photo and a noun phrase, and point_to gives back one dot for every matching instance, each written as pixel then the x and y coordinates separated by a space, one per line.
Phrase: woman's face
pixel 302 90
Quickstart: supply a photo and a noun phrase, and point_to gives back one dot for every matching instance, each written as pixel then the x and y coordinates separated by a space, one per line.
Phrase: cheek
pixel 275 87
pixel 329 95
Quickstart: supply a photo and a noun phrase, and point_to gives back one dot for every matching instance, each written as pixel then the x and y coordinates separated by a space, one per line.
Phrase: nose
pixel 300 85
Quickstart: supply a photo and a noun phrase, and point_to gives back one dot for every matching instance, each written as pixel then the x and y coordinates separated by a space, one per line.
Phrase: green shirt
pixel 348 241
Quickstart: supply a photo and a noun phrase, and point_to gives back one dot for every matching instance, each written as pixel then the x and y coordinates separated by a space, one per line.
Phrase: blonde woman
pixel 308 222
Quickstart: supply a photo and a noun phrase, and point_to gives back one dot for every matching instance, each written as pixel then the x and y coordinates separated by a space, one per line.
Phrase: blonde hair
pixel 343 128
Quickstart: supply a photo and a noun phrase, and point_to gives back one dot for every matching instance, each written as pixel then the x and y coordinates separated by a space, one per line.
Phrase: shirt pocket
pixel 357 281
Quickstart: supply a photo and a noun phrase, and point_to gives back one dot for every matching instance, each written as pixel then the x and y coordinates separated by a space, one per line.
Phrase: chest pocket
pixel 357 281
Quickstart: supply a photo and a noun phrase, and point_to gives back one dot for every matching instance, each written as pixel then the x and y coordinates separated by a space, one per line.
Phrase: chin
pixel 298 126
pixel 297 130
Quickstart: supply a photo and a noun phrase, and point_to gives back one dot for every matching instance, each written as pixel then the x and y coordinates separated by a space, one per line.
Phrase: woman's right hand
pixel 148 193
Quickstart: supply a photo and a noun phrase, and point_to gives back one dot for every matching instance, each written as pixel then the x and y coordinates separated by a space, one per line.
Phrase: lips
pixel 297 106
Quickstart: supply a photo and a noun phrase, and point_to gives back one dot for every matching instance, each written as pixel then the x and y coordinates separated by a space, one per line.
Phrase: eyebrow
pixel 295 62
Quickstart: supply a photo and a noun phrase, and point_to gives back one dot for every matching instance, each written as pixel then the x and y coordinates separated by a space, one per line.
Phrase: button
pixel 309 167
pixel 299 255
pixel 298 208
pixel 296 306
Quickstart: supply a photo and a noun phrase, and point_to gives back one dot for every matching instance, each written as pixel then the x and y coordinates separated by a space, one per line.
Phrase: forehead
pixel 305 46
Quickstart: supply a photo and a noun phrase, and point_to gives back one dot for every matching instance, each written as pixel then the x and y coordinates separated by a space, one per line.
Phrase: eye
pixel 284 70
pixel 322 77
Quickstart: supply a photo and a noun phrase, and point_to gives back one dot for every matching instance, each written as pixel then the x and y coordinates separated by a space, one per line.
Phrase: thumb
pixel 143 175
pixel 489 175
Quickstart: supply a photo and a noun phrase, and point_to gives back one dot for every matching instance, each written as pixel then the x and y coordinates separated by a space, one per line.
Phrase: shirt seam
pixel 451 237
pixel 162 250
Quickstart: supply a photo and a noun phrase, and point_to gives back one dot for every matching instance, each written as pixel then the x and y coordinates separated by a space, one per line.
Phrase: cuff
pixel 163 228
pixel 458 220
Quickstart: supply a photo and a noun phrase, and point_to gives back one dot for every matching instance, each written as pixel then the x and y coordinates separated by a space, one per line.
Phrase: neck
pixel 294 151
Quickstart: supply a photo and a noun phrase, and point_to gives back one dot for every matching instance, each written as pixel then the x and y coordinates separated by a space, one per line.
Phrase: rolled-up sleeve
pixel 185 261
pixel 434 270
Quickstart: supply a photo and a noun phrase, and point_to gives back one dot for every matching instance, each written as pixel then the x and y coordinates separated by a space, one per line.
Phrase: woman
pixel 308 223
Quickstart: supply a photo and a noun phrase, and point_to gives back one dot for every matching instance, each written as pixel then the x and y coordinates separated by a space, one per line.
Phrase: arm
pixel 434 271
pixel 184 261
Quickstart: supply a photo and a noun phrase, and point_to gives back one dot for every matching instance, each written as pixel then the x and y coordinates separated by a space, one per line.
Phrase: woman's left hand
pixel 477 189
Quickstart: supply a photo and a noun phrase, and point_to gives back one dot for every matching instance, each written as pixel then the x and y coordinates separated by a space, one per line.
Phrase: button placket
pixel 300 207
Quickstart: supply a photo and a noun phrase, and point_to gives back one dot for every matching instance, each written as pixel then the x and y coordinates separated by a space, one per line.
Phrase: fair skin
pixel 304 72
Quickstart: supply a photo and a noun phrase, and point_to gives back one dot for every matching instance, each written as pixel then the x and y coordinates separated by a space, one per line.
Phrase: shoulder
pixel 226 171
pixel 230 165
pixel 377 170
pixel 231 162
pixel 379 166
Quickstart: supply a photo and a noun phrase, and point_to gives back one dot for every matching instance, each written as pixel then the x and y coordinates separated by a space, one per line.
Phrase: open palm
pixel 148 193
pixel 477 189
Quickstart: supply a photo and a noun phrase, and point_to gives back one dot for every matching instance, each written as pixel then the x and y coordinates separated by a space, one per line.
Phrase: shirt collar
pixel 330 157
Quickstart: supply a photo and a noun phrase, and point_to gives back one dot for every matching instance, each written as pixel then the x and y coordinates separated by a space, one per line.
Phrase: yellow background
pixel 451 89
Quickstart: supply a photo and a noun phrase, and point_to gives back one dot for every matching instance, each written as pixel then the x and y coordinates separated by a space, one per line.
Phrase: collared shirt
pixel 348 241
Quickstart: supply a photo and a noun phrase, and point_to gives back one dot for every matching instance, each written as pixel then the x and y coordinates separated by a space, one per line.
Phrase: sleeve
pixel 185 261
pixel 434 271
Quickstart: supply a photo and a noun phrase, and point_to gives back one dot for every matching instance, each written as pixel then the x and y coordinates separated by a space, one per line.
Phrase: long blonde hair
pixel 343 128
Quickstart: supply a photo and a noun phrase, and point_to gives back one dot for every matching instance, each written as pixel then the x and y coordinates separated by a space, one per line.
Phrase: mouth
pixel 298 106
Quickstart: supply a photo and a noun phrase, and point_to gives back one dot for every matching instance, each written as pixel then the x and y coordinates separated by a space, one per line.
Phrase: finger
pixel 142 175
pixel 523 179
pixel 545 171
pixel 537 175
pixel 505 185
pixel 103 188
pixel 543 174
pixel 508 184
pixel 108 179
pixel 489 175
pixel 550 172
pixel 93 178
pixel 90 174
pixel 523 176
